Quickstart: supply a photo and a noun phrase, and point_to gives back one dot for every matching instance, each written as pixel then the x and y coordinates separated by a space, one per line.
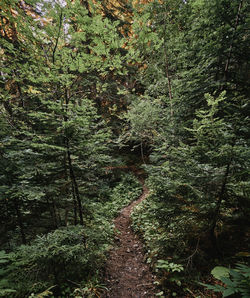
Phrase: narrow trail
pixel 127 274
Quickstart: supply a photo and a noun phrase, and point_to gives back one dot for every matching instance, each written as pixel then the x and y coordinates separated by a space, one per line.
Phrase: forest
pixel 124 148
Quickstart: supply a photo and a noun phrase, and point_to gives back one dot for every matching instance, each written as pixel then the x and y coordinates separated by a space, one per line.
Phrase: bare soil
pixel 127 274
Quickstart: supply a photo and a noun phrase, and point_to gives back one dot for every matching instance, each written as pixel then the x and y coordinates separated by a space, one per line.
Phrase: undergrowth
pixel 176 246
pixel 68 262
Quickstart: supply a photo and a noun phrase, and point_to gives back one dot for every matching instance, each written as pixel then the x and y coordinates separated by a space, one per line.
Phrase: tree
pixel 58 142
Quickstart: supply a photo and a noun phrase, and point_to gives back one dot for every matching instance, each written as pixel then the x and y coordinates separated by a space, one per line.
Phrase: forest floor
pixel 127 274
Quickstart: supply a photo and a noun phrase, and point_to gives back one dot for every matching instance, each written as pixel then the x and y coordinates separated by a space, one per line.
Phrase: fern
pixel 236 281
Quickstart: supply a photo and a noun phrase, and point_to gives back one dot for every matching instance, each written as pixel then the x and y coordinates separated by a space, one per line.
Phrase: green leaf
pixel 228 292
pixel 219 272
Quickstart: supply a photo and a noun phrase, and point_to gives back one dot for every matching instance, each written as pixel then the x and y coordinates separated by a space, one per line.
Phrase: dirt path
pixel 127 275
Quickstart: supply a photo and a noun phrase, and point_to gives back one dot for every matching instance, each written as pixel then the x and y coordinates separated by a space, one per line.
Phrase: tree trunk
pixel 73 179
pixel 75 204
pixel 66 216
pixel 52 213
pixel 20 223
pixel 169 83
pixel 232 40
pixel 167 69
pixel 217 210
pixel 71 170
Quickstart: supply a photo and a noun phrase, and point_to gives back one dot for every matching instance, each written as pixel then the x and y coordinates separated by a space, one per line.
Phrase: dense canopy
pixel 97 97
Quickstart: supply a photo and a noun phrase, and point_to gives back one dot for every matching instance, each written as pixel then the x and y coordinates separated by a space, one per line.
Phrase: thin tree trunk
pixel 167 69
pixel 75 204
pixel 73 179
pixel 52 214
pixel 232 41
pixel 66 216
pixel 71 170
pixel 59 216
pixel 142 154
pixel 169 82
pixel 217 209
pixel 20 223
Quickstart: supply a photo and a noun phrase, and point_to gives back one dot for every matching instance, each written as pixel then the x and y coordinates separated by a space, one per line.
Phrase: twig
pixel 150 284
pixel 189 259
pixel 74 283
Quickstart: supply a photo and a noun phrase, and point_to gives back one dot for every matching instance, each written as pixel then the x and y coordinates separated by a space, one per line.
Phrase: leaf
pixel 228 292
pixel 160 294
pixel 5 292
pixel 3 254
pixel 4 258
pixel 216 288
pixel 243 254
pixel 227 281
pixel 45 293
pixel 219 272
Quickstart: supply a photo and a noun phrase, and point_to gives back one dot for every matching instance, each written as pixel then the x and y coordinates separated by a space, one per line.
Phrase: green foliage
pixel 236 281
pixel 143 121
pixel 127 190
pixel 220 271
pixel 91 289
pixel 169 272
pixel 53 257
pixel 185 182
pixel 5 285
pixel 54 144
pixel 67 72
pixel 46 293
pixel 73 253
pixel 169 267
pixel 4 258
